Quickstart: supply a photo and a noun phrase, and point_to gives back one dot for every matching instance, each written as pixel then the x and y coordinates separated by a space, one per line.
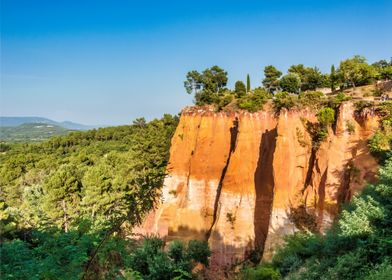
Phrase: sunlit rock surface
pixel 244 180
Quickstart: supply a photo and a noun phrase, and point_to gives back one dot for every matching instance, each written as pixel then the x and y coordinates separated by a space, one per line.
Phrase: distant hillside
pixel 16 121
pixel 31 132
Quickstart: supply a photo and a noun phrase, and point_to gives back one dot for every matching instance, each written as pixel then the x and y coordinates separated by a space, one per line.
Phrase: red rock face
pixel 244 180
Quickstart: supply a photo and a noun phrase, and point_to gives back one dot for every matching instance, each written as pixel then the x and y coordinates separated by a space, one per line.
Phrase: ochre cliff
pixel 244 180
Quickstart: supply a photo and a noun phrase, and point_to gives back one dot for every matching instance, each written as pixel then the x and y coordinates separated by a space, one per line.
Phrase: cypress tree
pixel 247 83
pixel 333 78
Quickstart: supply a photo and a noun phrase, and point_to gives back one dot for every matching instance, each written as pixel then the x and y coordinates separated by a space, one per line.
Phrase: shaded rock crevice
pixel 233 142
pixel 237 176
pixel 264 188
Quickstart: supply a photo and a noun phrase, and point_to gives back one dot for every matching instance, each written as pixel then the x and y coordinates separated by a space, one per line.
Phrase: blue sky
pixel 108 62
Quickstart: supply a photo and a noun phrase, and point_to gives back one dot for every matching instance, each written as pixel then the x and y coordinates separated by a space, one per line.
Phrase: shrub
pixel 261 272
pixel 335 101
pixel 239 89
pixel 224 100
pixel 310 99
pixel 4 147
pixel 380 144
pixel 283 100
pixel 199 251
pixel 380 272
pixel 361 105
pixel 350 127
pixel 253 101
pixel 177 250
pixel 358 246
pixel 326 117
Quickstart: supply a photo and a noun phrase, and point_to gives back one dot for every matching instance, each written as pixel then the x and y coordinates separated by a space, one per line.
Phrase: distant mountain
pixel 16 121
pixel 31 132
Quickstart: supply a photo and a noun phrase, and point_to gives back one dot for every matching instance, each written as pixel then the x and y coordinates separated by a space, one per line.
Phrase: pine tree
pixel 271 80
pixel 62 195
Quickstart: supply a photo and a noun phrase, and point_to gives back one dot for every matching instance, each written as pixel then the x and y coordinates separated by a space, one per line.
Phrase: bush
pixel 358 246
pixel 261 272
pixel 298 247
pixel 199 251
pixel 4 147
pixel 311 99
pixel 350 127
pixel 380 272
pixel 380 144
pixel 335 101
pixel 326 117
pixel 283 100
pixel 253 101
pixel 224 100
pixel 177 250
pixel 361 105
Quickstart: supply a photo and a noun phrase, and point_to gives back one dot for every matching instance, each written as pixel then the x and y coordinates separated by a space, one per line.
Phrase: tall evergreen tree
pixel 333 78
pixel 62 196
pixel 247 83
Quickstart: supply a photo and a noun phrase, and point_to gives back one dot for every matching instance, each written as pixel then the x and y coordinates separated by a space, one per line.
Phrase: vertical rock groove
pixel 190 160
pixel 309 173
pixel 233 141
pixel 264 184
pixel 321 198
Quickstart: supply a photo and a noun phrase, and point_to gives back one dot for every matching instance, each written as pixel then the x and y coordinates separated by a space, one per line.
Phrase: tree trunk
pixel 65 217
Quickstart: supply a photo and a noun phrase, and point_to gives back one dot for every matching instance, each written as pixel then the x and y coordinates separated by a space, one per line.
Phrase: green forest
pixel 68 204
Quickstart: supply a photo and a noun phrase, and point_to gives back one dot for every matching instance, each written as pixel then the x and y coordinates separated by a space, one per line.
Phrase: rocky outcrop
pixel 244 180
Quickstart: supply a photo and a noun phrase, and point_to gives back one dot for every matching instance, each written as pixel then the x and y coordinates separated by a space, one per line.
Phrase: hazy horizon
pixel 101 63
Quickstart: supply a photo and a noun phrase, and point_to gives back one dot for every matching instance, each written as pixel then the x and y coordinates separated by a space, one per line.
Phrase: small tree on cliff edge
pixel 271 80
pixel 290 83
pixel 239 89
pixel 206 85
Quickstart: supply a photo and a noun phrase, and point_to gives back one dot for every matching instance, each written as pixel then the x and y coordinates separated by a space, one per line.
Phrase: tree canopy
pixel 271 78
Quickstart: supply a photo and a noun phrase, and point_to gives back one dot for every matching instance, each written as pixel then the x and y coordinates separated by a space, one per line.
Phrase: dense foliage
pixel 209 86
pixel 380 143
pixel 67 204
pixel 358 247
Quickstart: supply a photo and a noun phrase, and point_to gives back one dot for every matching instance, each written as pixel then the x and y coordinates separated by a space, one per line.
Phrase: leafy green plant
pixel 261 272
pixel 350 127
pixel 283 100
pixel 199 251
pixel 253 101
pixel 311 99
pixel 326 116
pixel 356 247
